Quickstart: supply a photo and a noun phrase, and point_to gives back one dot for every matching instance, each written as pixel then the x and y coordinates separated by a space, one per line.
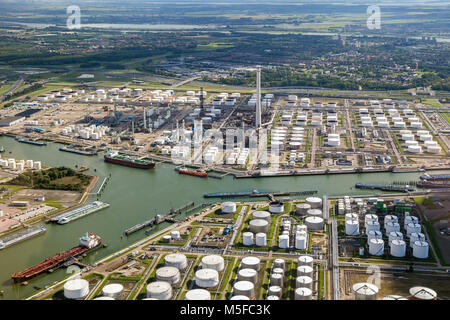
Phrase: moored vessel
pixel 197 173
pixel 114 157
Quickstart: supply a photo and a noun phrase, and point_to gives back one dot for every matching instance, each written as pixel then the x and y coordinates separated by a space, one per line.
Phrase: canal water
pixel 137 195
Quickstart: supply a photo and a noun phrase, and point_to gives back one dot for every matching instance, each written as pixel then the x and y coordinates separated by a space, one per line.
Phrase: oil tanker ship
pixel 115 157
pixel 197 173
pixel 88 243
pixel 33 142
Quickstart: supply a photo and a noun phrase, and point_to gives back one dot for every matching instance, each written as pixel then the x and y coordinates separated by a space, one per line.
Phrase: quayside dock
pixel 21 236
pixel 79 212
pixel 256 193
pixel 388 187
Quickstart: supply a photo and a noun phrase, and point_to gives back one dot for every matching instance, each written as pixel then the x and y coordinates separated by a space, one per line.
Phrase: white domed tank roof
pixel 314 202
pixel 251 262
pixel 160 290
pixel 272 298
pixel 394 297
pixel 314 212
pixel 279 263
pixel 275 291
pixel 248 275
pixel 263 215
pixel 168 274
pixel 305 261
pixel 302 208
pixel 214 262
pixel 365 291
pixel 113 290
pixel 197 294
pixel 398 248
pixel 420 249
pixel 176 260
pixel 303 294
pixel 76 289
pixel 314 223
pixel 422 293
pixel 228 207
pixel 259 225
pixel 239 297
pixel 104 298
pixel 244 288
pixel 206 278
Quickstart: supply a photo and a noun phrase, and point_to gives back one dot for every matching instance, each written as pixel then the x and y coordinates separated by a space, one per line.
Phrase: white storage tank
pixel 275 291
pixel 37 165
pixel 395 235
pixel 365 291
pixel 398 248
pixel 283 241
pixel 251 262
pixel 414 149
pixel 413 228
pixel 305 271
pixel 374 235
pixel 76 289
pixel 261 239
pixel 301 243
pixel 305 261
pixel 314 223
pixel 159 290
pixel 259 225
pixel 372 226
pixel 422 293
pixel 244 288
pixel 303 294
pixel 302 209
pixel 197 294
pixel 420 249
pixel 351 227
pixel 247 239
pixel 248 275
pixel 370 217
pixel 206 278
pixel 304 282
pixel 168 274
pixel 176 260
pixel 392 227
pixel 376 247
pixel 279 263
pixel 228 207
pixel 239 298
pixel 434 149
pixel 315 212
pixel 114 290
pixel 214 262
pixel 175 235
pixel 106 298
pixel 415 236
pixel 314 202
pixel 276 279
pixel 261 215
pixel 272 298
pixel 276 207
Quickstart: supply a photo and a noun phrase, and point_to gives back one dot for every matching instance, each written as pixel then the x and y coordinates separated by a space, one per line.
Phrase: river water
pixel 135 196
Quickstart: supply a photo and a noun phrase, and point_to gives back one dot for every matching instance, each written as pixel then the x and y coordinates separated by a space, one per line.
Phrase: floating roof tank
pixel 176 260
pixel 206 278
pixel 259 225
pixel 76 289
pixel 314 202
pixel 160 290
pixel 365 291
pixel 214 262
pixel 251 262
pixel 168 274
pixel 113 290
pixel 261 215
pixel 244 288
pixel 248 275
pixel 422 293
pixel 197 294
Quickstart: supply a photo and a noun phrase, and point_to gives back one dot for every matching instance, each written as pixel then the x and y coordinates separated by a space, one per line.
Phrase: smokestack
pixel 258 98
pixel 145 118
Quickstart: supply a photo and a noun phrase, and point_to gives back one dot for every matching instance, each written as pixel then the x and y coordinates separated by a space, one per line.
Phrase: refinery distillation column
pixel 258 98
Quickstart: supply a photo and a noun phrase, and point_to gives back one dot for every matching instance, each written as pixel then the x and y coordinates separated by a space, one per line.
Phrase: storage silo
pixel 275 291
pixel 214 262
pixel 159 290
pixel 301 209
pixel 304 282
pixel 303 294
pixel 305 261
pixel 197 294
pixel 305 271
pixel 351 216
pixel 105 298
pixel 168 274
pixel 365 291
pixel 262 215
pixel 372 226
pixel 76 289
pixel 247 238
pixel 314 212
pixel 392 226
pixel 248 275
pixel 395 235
pixel 415 236
pixel 301 243
pixel 376 247
pixel 276 207
pixel 259 225
pixel 314 223
pixel 206 278
pixel 176 260
pixel 261 239
pixel 283 241
pixel 398 248
pixel 114 290
pixel 276 279
pixel 244 288
pixel 278 270
pixel 314 202
pixel 279 263
pixel 413 228
pixel 370 217
pixel 273 298
pixel 390 218
pixel 422 293
pixel 351 227
pixel 420 249
pixel 374 235
pixel 239 298
pixel 302 227
pixel 394 297
pixel 251 262
pixel 228 207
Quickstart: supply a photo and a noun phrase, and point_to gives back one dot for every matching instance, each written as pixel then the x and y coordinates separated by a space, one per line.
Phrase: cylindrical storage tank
pixel 303 294
pixel 314 212
pixel 159 290
pixel 197 294
pixel 272 298
pixel 414 149
pixel 248 275
pixel 247 239
pixel 392 226
pixel 251 263
pixel 228 207
pixel 430 143
pixel 276 207
pixel 394 297
pixel 434 149
pixel 276 279
pixel 351 216
pixel 261 215
pixel 372 226
pixel 415 236
pixel 395 235
pixel 105 298
pixel 279 263
pixel 305 261
pixel 370 217
pixel 258 225
pixel 76 289
pixel 214 262
pixel 411 143
pixel 413 228
pixel 374 235
pixel 283 241
pixel 314 223
pixel 206 278
pixel 239 298
pixel 278 270
pixel 300 243
pixel 113 290
pixel 302 209
pixel 407 137
pixel 365 291
pixel 244 288
pixel 425 137
pixel 305 271
pixel 275 291
pixel 422 293
pixel 376 247
pixel 408 219
pixel 176 260
pixel 168 274
pixel 304 282
pixel 314 202
pixel 398 248
pixel 390 218
pixel 175 235
pixel 420 249
pixel 261 239
pixel 351 227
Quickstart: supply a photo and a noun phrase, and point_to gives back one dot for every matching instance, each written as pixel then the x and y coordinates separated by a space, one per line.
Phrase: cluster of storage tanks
pixel 60 96
pixel 424 136
pixel 238 156
pixel 392 226
pixel 244 288
pixel 266 101
pixel 279 135
pixel 258 229
pixel 20 165
pixel 111 95
pixel 369 291
pixel 295 157
pixel 86 132
pixel 399 122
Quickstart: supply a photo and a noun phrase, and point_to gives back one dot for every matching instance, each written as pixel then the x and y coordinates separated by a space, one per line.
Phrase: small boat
pixel 2 149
